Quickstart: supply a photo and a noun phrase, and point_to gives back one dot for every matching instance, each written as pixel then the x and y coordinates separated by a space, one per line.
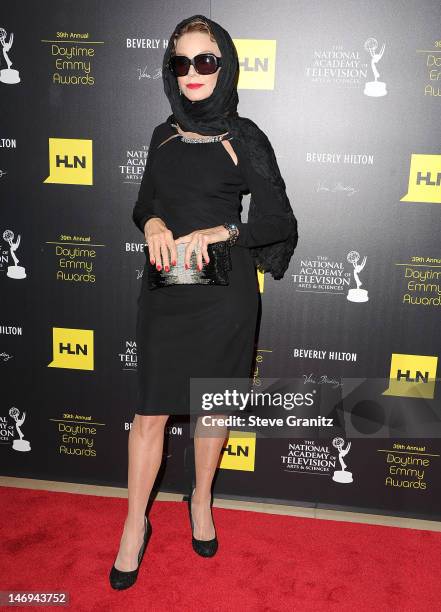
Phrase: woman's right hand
pixel 160 241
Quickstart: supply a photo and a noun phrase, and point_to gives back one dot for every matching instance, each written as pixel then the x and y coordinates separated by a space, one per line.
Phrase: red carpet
pixel 265 562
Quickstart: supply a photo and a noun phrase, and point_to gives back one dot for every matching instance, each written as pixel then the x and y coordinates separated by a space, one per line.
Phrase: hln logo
pixel 419 376
pixel 239 451
pixel 236 450
pixel 424 179
pixel 427 179
pixel 69 349
pixel 412 376
pixel 257 63
pixel 72 349
pixel 70 161
pixel 77 162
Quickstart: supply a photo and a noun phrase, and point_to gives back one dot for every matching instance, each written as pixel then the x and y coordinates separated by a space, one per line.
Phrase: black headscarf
pixel 213 114
pixel 218 114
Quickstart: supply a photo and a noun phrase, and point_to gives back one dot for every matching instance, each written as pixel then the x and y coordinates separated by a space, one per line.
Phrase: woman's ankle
pixel 201 497
pixel 134 523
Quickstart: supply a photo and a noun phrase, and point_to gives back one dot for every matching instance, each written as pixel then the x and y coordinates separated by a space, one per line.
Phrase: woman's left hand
pixel 199 240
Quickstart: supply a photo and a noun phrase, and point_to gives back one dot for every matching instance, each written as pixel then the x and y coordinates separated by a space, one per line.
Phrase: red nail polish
pixel 199 267
pixel 186 267
pixel 173 263
pixel 152 261
pixel 158 267
pixel 167 268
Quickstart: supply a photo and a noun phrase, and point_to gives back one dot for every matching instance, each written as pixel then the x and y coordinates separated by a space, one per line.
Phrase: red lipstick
pixel 194 85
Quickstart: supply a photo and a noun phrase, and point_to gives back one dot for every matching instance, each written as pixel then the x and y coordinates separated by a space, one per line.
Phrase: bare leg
pixel 208 442
pixel 146 443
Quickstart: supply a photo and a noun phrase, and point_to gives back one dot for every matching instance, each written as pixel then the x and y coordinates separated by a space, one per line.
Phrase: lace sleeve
pixel 271 231
pixel 267 220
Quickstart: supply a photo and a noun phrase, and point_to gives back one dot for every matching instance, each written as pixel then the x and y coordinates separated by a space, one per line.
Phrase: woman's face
pixel 191 44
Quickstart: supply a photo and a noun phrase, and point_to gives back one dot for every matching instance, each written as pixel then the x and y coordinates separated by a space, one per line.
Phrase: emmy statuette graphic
pixel 341 475
pixel 357 295
pixel 8 75
pixel 376 88
pixel 20 444
pixel 14 271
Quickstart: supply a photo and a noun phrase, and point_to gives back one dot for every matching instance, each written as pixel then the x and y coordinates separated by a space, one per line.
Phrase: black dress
pixel 185 331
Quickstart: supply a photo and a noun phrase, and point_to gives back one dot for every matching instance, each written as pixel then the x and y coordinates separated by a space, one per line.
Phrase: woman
pixel 200 162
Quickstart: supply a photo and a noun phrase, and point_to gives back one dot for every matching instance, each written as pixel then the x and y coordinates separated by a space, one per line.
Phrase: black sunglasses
pixel 204 63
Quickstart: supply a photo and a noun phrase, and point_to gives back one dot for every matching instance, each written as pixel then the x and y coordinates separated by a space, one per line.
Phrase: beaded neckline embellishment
pixel 216 138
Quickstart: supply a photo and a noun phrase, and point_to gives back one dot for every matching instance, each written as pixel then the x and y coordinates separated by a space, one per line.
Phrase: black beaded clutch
pixel 215 272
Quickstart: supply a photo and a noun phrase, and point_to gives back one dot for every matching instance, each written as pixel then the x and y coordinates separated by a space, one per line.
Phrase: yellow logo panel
pixel 412 376
pixel 257 63
pixel 239 451
pixel 72 349
pixel 424 179
pixel 70 161
pixel 260 278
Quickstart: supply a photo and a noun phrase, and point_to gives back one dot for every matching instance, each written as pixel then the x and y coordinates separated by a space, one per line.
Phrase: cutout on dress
pixel 231 152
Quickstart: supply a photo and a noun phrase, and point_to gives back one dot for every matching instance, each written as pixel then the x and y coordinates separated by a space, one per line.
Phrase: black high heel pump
pixel 123 580
pixel 204 548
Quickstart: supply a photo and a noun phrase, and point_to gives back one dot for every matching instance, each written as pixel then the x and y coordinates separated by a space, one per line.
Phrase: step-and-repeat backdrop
pixel 348 93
